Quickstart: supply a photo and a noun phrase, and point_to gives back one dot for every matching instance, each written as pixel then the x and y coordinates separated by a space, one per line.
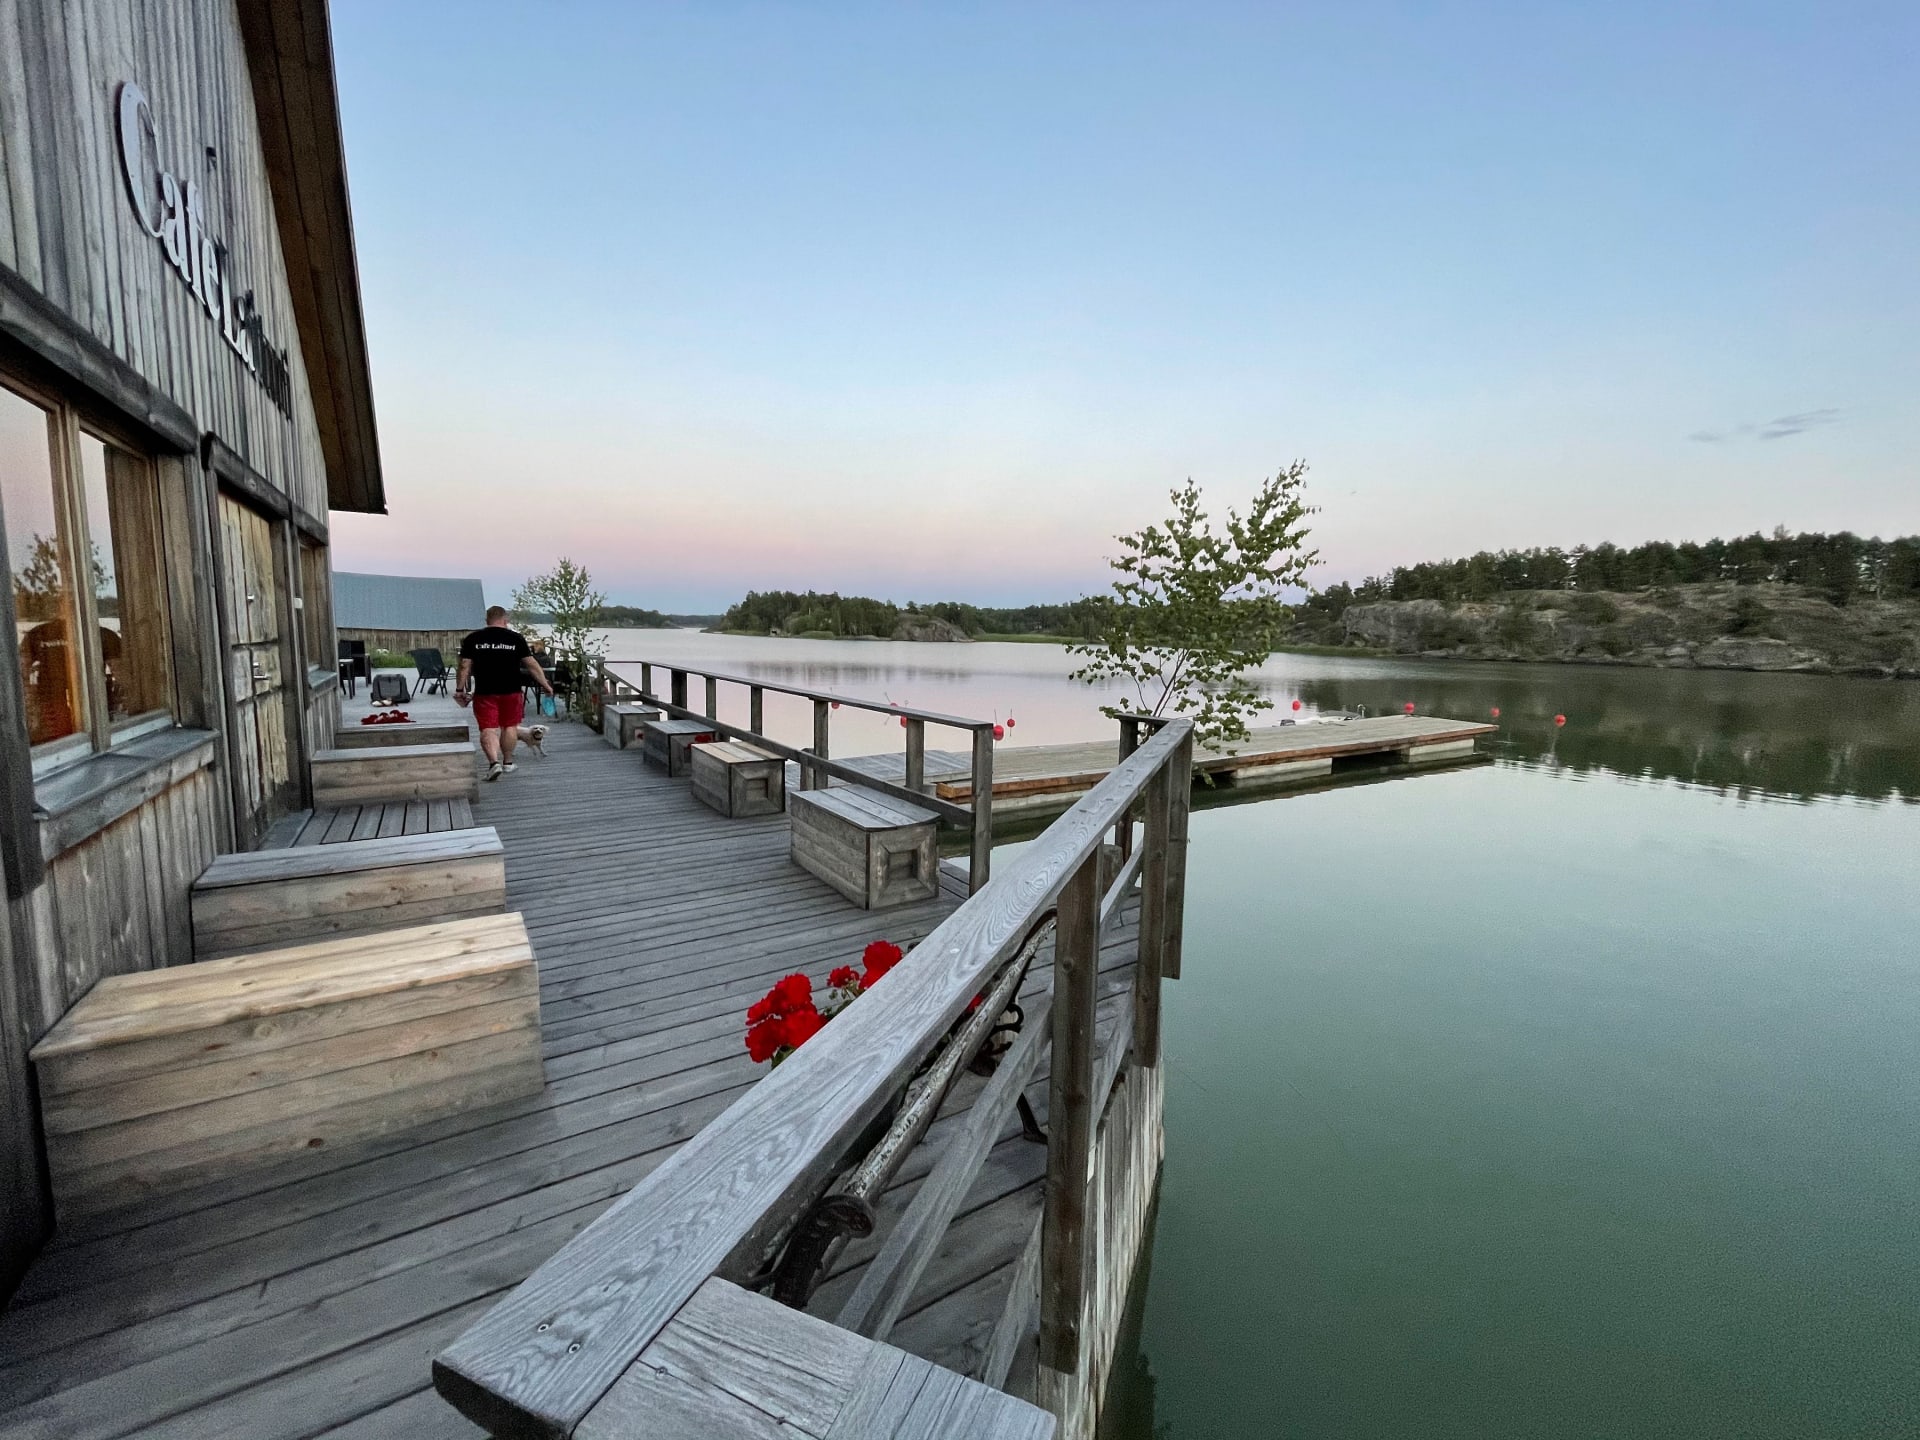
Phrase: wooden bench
pixel 310 892
pixel 873 849
pixel 738 780
pixel 377 737
pixel 393 772
pixel 168 1078
pixel 666 742
pixel 620 723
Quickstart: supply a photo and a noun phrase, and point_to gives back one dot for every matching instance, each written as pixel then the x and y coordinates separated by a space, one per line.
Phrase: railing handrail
pixel 543 1357
pixel 880 707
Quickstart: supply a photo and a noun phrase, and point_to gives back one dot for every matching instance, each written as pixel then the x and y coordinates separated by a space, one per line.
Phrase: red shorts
pixel 499 712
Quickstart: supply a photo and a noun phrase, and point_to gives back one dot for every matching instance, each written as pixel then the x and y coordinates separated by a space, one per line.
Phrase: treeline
pixel 789 612
pixel 1842 567
pixel 612 617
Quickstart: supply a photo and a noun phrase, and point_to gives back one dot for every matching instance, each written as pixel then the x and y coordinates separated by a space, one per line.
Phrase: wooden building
pixel 407 612
pixel 184 395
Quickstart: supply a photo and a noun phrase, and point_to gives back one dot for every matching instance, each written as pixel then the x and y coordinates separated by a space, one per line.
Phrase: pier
pixel 389 1287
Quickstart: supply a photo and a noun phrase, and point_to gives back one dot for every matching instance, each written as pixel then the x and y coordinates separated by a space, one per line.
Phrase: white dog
pixel 534 737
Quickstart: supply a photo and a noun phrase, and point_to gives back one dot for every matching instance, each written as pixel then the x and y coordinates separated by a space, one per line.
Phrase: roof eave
pixel 290 56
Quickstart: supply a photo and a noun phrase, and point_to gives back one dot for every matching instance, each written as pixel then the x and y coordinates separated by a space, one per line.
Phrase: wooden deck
pixel 1056 774
pixel 309 1299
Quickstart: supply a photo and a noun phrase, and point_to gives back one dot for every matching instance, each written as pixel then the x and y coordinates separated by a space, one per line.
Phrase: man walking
pixel 492 661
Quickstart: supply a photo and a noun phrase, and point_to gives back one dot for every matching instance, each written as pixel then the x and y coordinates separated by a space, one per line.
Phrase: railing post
pixel 1158 805
pixel 820 714
pixel 713 698
pixel 1063 1238
pixel 1129 742
pixel 980 857
pixel 756 708
pixel 678 680
pixel 1179 806
pixel 646 677
pixel 916 754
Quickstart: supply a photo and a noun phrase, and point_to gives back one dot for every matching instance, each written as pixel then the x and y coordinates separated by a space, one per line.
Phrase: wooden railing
pixel 816 763
pixel 593 1334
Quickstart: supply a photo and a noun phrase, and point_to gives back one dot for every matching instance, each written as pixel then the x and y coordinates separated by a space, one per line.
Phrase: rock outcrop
pixel 929 627
pixel 1708 627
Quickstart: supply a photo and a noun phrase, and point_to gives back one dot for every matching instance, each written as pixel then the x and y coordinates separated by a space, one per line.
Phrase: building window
pixel 89 587
pixel 129 588
pixel 316 606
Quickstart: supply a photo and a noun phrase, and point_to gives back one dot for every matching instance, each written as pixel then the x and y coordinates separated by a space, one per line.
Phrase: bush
pixel 1593 609
pixel 389 660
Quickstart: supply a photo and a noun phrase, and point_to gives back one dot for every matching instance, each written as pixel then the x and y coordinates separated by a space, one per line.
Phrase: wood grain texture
pixel 542 1358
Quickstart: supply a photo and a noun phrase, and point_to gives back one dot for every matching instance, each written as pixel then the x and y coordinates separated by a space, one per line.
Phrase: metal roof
pixel 406 602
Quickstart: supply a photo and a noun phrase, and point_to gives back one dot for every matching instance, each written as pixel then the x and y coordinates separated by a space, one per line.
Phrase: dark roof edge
pixel 290 58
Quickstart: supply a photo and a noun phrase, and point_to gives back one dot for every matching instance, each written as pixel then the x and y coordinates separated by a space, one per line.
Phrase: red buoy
pixel 999 732
pixel 1296 704
pixel 1559 719
pixel 1009 722
pixel 1409 707
pixel 836 704
pixel 903 722
pixel 1496 712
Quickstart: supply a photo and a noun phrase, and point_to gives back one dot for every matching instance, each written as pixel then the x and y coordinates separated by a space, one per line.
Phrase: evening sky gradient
pixel 930 301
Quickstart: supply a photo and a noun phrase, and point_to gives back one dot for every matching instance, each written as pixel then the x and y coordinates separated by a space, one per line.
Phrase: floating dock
pixel 1029 778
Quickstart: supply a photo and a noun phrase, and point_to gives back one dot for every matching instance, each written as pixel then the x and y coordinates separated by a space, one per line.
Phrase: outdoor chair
pixel 353 663
pixel 433 671
pixel 388 688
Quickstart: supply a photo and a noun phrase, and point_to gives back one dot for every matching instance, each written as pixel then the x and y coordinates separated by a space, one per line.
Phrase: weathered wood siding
pixel 119 901
pixel 68 228
pixel 115 898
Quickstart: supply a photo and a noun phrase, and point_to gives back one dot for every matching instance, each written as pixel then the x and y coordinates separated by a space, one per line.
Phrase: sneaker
pixel 495 770
pixel 511 766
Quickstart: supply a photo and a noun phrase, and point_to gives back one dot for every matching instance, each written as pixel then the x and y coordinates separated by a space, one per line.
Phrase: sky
pixel 932 301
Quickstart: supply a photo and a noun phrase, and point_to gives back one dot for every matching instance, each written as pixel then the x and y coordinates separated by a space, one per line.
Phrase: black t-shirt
pixel 496 653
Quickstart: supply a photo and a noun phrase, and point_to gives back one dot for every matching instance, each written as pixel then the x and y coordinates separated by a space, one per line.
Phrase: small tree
pixel 565 595
pixel 1193 610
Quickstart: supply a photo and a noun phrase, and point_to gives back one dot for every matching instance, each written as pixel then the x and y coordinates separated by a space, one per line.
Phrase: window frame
pixel 100 734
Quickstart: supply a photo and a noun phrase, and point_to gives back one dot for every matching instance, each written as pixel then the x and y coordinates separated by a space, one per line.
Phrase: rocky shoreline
pixel 1704 627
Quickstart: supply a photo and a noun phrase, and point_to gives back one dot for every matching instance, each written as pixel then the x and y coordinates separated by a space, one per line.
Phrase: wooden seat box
pixel 310 892
pixel 393 772
pixel 666 742
pixel 620 723
pixel 381 737
pixel 873 849
pixel 738 780
pixel 168 1078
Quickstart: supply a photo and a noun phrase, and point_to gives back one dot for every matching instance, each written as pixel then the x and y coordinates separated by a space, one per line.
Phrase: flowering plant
pixel 785 1018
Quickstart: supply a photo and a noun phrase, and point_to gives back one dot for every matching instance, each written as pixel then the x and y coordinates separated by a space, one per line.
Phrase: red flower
pixel 766 1038
pixel 880 957
pixel 843 977
pixel 793 993
pixel 803 1025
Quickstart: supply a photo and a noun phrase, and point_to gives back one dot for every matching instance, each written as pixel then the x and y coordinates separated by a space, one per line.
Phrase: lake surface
pixel 1574 1094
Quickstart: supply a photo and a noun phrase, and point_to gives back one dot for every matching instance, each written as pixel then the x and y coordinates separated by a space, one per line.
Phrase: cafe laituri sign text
pixel 174 214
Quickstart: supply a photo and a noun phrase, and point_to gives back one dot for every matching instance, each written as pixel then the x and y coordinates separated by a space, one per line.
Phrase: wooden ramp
pixel 309 1299
pixel 1276 754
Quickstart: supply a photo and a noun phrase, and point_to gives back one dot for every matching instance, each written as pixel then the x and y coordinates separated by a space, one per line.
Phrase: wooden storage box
pixel 873 849
pixel 666 743
pixel 620 723
pixel 284 897
pixel 381 737
pixel 738 780
pixel 170 1078
pixel 393 772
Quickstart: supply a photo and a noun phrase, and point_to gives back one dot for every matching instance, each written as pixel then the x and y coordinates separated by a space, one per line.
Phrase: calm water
pixel 1573 1094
